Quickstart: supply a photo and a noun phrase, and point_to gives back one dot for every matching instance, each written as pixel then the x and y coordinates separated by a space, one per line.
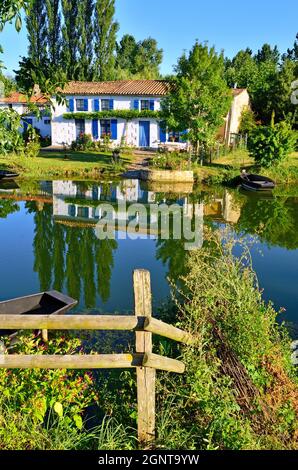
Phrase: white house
pixel 138 95
pixel 19 103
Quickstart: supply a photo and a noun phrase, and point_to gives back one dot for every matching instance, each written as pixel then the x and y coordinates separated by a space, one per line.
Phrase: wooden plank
pixel 45 335
pixel 70 322
pixel 163 363
pixel 100 361
pixel 146 377
pixel 168 331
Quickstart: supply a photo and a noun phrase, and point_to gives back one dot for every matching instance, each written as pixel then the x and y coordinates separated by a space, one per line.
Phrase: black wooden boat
pixel 252 182
pixel 5 174
pixel 44 303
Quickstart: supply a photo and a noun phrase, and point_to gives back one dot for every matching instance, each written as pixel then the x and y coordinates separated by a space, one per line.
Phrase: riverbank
pixel 92 165
pixel 225 168
pixel 55 164
pixel 239 390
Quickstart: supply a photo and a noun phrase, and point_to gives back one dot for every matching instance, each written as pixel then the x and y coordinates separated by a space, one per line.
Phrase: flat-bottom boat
pixel 252 182
pixel 5 174
pixel 44 303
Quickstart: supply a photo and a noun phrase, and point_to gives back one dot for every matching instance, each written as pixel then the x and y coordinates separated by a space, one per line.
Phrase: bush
pixel 83 142
pixel 270 145
pixel 171 161
pixel 10 137
pixel 248 122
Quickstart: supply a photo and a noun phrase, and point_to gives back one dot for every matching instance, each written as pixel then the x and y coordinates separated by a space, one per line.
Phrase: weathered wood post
pixel 145 375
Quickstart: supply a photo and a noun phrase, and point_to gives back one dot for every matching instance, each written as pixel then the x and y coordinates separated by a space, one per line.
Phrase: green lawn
pixel 51 164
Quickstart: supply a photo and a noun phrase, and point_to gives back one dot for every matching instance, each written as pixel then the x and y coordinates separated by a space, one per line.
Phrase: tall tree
pixel 267 54
pixel 70 33
pixel 200 98
pixel 86 29
pixel 53 33
pixel 241 70
pixel 105 31
pixel 36 21
pixel 138 59
pixel 292 54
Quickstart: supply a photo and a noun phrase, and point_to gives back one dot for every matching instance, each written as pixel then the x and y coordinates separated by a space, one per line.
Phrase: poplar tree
pixel 70 35
pixel 105 31
pixel 53 32
pixel 86 42
pixel 36 22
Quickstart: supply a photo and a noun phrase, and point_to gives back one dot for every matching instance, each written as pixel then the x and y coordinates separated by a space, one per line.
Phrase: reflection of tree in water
pixel 274 220
pixel 72 257
pixel 8 207
pixel 172 252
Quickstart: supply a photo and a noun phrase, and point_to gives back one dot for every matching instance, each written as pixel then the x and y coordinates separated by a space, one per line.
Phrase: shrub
pixel 171 161
pixel 83 142
pixel 270 145
pixel 248 121
pixel 10 138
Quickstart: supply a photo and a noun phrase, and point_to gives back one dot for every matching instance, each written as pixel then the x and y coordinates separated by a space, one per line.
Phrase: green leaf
pixel 58 408
pixel 18 23
pixel 78 421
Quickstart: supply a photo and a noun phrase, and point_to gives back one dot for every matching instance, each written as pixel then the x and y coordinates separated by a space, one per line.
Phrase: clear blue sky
pixel 229 25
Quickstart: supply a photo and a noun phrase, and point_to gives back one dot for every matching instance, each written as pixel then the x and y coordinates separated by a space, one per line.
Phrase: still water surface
pixel 48 241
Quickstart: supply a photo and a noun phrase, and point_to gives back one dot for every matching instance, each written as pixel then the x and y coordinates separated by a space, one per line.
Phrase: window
pixel 105 105
pixel 80 105
pixel 174 136
pixel 83 212
pixel 105 127
pixel 145 105
pixel 80 127
pixel 47 122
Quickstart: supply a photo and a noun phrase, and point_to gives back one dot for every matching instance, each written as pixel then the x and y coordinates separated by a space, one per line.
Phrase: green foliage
pixel 270 145
pixel 105 39
pixel 199 99
pixel 37 30
pixel 201 409
pixel 248 122
pixel 10 138
pixel 138 59
pixel 83 142
pixel 10 9
pixel 7 207
pixel 171 161
pixel 126 114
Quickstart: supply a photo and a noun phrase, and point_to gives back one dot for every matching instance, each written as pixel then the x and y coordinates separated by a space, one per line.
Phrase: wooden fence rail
pixel 143 360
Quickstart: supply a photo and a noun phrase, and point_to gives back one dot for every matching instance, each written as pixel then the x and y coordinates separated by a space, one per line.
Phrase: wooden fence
pixel 145 362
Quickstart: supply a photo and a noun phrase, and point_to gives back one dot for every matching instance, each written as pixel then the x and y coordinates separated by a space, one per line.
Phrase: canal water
pixel 49 240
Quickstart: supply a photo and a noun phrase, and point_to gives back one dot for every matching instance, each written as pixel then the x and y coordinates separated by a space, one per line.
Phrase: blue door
pixel 144 131
pixel 27 122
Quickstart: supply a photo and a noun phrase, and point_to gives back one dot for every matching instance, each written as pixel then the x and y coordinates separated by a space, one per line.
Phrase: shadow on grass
pixel 81 157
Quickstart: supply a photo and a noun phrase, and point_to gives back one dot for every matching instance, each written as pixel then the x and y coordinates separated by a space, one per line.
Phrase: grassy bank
pixel 227 167
pixel 239 390
pixel 51 164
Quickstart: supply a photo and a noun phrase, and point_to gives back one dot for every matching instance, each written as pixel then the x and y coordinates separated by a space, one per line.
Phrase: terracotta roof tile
pixel 16 97
pixel 119 87
pixel 237 91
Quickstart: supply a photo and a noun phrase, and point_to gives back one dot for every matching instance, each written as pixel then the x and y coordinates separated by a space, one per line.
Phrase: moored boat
pixel 253 182
pixel 5 174
pixel 44 303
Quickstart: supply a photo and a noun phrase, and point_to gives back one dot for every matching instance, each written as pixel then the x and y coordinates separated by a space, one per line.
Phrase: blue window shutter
pixel 111 104
pixel 114 133
pixel 85 104
pixel 152 105
pixel 71 105
pixel 96 104
pixel 136 105
pixel 95 128
pixel 163 134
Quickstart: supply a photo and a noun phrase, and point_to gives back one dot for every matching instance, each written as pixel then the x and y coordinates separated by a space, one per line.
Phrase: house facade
pixel 75 117
pixel 19 103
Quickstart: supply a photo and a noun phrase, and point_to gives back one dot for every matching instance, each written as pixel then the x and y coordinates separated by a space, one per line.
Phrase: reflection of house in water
pixel 223 209
pixel 74 204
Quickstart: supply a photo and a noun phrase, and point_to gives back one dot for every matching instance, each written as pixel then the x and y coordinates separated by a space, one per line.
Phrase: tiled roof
pixel 16 97
pixel 119 87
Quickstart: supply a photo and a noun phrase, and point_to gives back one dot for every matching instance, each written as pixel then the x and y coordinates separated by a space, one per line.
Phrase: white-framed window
pixel 105 105
pixel 145 105
pixel 80 104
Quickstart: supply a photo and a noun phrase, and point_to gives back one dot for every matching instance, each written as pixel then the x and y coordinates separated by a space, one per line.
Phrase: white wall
pixel 21 108
pixel 64 131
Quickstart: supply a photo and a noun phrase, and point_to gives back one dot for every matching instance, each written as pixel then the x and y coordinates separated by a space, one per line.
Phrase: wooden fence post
pixel 145 375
